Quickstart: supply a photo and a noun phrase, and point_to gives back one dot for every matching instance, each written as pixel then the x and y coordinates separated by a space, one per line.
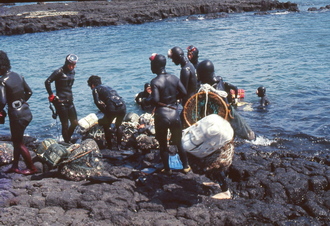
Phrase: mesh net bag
pixel 220 160
pixel 83 162
pixel 202 104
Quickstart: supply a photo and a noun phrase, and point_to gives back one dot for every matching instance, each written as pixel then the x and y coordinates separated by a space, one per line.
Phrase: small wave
pixel 262 141
pixel 281 13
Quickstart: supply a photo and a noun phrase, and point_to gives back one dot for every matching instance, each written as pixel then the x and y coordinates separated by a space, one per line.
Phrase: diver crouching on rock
pixel 166 90
pixel 15 92
pixel 111 105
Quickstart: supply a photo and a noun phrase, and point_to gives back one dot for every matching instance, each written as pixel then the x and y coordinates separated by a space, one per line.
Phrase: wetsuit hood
pixel 261 91
pixel 71 59
pixel 205 72
pixel 192 54
pixel 4 63
pixel 176 54
pixel 146 86
pixel 157 63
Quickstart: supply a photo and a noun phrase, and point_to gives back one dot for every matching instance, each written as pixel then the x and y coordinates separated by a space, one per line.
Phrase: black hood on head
pixel 205 72
pixel 157 63
pixel 261 91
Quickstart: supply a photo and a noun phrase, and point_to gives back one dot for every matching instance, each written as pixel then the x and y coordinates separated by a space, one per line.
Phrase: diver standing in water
pixel 15 92
pixel 111 105
pixel 166 90
pixel 142 96
pixel 63 100
pixel 187 73
pixel 261 92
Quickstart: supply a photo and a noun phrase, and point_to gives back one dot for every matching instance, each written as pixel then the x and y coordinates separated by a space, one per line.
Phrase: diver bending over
pixel 111 105
pixel 166 90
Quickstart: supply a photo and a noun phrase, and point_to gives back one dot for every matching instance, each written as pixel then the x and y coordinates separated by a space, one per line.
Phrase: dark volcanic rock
pixel 278 188
pixel 57 16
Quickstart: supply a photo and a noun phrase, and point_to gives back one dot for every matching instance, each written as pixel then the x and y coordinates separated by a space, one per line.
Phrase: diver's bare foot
pixel 166 172
pixel 29 171
pixel 13 170
pixel 210 184
pixel 186 170
pixel 222 195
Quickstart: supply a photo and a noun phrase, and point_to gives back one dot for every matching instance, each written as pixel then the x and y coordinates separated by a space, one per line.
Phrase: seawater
pixel 286 52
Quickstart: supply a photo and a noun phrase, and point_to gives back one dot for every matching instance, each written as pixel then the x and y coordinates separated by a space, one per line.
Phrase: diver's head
pixel 176 54
pixel 261 91
pixel 94 81
pixel 157 63
pixel 147 87
pixel 71 61
pixel 205 72
pixel 4 63
pixel 192 54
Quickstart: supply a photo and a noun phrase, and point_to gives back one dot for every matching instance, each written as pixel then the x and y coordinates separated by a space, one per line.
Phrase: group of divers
pixel 164 94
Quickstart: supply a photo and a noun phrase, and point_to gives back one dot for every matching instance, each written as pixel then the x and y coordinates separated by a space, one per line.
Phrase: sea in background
pixel 286 52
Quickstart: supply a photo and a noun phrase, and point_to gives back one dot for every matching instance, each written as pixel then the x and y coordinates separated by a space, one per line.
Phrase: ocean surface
pixel 286 52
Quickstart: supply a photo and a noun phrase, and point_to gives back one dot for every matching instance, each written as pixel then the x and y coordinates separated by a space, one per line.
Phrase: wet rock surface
pixel 278 188
pixel 56 16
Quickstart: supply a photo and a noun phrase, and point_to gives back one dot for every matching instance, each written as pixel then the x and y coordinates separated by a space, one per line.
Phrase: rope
pixel 77 157
pixel 196 107
pixel 206 88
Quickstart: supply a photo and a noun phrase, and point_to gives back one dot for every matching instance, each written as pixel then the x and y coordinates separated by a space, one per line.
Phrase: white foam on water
pixel 262 141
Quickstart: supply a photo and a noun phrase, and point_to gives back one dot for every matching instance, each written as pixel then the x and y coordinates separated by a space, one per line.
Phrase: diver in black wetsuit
pixel 192 54
pixel 63 100
pixel 141 96
pixel 111 105
pixel 206 75
pixel 261 92
pixel 166 89
pixel 187 74
pixel 15 92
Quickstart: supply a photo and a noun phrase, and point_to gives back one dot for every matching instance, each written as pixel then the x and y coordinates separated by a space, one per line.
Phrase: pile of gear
pixel 75 162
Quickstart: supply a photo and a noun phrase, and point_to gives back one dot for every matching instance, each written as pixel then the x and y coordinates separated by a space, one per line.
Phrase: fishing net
pixel 207 101
pixel 240 126
pixel 83 162
pixel 50 153
pixel 219 160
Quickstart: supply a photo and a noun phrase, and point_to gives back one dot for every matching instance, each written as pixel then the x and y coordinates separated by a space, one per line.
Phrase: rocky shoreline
pixel 277 188
pixel 56 16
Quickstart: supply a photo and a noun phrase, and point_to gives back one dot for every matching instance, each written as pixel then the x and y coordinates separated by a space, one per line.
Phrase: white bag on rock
pixel 207 135
pixel 88 122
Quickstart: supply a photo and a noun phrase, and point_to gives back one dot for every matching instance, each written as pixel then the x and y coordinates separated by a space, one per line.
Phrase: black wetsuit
pixel 65 108
pixel 15 92
pixel 263 102
pixel 140 100
pixel 112 106
pixel 195 63
pixel 188 78
pixel 225 86
pixel 166 89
